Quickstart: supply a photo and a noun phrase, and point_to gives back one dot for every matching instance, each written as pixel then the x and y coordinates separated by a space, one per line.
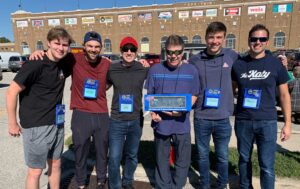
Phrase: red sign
pixel 232 11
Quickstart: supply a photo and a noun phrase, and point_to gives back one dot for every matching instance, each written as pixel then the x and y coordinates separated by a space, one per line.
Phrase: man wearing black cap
pixel 89 104
pixel 125 130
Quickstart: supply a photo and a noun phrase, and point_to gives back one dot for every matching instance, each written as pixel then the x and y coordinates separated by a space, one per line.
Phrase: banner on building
pixel 106 19
pixel 37 23
pixel 197 13
pixel 165 15
pixel 22 23
pixel 145 16
pixel 145 47
pixel 257 9
pixel 232 11
pixel 183 14
pixel 125 18
pixel 88 20
pixel 53 22
pixel 282 8
pixel 70 21
pixel 211 12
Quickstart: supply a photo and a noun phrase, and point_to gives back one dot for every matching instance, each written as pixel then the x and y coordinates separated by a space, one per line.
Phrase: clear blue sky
pixel 10 6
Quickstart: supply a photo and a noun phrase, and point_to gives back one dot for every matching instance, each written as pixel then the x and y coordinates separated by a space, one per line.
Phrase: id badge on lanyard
pixel 252 98
pixel 90 89
pixel 126 103
pixel 60 115
pixel 212 98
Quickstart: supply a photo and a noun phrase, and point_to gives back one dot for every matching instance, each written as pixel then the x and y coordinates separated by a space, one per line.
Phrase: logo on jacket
pixel 225 65
pixel 256 75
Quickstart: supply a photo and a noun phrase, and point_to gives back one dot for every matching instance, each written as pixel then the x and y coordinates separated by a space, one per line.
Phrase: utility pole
pixel 78 4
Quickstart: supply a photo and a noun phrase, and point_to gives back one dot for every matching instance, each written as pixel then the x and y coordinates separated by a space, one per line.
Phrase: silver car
pixel 1 76
pixel 15 62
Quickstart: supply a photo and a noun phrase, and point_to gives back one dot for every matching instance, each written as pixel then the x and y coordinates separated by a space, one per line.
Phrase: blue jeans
pixel 221 132
pixel 127 135
pixel 264 132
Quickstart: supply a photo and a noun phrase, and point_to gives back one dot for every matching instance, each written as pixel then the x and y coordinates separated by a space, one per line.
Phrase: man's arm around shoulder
pixel 12 93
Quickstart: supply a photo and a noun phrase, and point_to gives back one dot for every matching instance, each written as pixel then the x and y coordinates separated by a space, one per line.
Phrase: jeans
pixel 264 132
pixel 127 135
pixel 165 178
pixel 221 132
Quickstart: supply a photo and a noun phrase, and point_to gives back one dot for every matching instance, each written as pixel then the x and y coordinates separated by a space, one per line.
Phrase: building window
pixel 185 39
pixel 279 40
pixel 25 48
pixel 39 45
pixel 145 47
pixel 196 39
pixel 107 45
pixel 230 41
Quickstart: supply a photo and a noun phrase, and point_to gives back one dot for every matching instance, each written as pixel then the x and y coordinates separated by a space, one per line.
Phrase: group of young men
pixel 210 77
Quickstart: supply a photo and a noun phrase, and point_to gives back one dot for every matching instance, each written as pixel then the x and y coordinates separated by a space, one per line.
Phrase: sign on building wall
pixel 197 13
pixel 211 12
pixel 145 47
pixel 282 8
pixel 257 9
pixel 106 19
pixel 183 14
pixel 22 23
pixel 125 18
pixel 232 11
pixel 145 16
pixel 88 20
pixel 37 23
pixel 53 22
pixel 165 15
pixel 70 21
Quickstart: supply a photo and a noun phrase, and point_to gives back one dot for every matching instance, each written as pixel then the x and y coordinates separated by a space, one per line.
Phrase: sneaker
pixel 129 186
pixel 100 186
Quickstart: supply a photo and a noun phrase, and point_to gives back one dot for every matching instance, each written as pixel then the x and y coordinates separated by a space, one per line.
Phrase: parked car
pixel 1 76
pixel 113 57
pixel 152 59
pixel 15 62
pixel 4 59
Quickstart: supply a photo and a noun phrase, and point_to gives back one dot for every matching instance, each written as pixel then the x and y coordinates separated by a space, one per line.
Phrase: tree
pixel 4 40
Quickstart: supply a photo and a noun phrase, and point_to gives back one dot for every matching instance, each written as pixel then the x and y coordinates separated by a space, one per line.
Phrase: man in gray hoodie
pixel 215 103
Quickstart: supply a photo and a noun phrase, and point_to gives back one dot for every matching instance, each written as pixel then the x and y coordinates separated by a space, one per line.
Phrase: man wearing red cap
pixel 125 130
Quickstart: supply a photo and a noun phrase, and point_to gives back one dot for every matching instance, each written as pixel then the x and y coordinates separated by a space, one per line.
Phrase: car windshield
pixel 14 58
pixel 24 58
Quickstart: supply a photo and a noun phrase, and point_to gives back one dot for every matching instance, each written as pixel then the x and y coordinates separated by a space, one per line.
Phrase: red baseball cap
pixel 128 40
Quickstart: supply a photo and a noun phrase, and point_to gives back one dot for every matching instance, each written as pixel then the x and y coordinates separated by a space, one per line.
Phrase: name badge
pixel 126 103
pixel 60 115
pixel 90 88
pixel 212 98
pixel 252 98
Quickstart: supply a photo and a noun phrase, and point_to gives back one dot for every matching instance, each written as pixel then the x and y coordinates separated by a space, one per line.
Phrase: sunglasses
pixel 261 39
pixel 176 52
pixel 126 49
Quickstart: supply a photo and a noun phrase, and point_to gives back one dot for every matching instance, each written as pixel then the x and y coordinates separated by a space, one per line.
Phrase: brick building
pixel 151 24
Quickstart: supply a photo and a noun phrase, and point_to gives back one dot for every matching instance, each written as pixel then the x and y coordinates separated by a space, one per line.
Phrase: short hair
pixel 296 71
pixel 258 27
pixel 214 27
pixel 174 40
pixel 59 32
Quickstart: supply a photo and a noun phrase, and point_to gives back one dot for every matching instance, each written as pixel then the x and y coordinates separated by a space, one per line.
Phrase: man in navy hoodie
pixel 215 103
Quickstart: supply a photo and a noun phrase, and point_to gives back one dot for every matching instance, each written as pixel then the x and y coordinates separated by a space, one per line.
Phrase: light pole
pixel 20 5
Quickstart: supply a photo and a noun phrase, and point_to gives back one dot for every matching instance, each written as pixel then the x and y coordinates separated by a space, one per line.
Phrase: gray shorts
pixel 42 143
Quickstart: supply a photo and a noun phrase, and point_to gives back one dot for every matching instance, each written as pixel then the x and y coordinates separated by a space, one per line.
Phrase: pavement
pixel 13 169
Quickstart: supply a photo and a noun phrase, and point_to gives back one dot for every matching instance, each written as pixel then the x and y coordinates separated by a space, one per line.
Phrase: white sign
pixel 257 9
pixel 106 19
pixel 125 18
pixel 53 22
pixel 183 14
pixel 70 21
pixel 197 13
pixel 211 12
pixel 22 23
